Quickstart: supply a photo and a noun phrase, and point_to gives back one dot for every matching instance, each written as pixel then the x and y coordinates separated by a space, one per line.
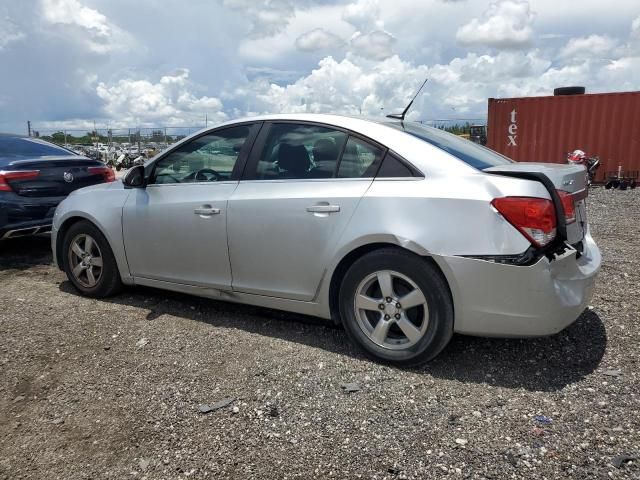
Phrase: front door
pixel 303 184
pixel 175 228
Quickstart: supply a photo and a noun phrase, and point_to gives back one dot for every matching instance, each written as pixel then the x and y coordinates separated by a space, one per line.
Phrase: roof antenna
pixel 400 116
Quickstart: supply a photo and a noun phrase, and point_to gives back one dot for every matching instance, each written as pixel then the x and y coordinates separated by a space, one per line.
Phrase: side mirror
pixel 135 177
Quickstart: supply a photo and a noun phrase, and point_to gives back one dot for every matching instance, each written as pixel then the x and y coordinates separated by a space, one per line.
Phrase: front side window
pixel 300 151
pixel 208 158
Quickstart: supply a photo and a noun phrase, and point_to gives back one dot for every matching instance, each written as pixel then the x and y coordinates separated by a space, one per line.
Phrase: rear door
pixel 299 191
pixel 175 229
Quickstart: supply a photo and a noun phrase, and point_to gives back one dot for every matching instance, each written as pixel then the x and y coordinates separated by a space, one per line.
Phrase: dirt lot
pixel 112 389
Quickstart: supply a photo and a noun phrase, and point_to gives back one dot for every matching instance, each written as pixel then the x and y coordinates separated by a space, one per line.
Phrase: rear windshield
pixel 17 147
pixel 470 153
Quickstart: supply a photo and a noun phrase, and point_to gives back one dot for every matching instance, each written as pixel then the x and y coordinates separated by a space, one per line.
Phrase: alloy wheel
pixel 85 259
pixel 391 310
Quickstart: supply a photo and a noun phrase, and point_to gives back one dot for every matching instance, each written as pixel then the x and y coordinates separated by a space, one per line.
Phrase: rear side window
pixel 470 153
pixel 392 167
pixel 16 147
pixel 359 160
pixel 300 151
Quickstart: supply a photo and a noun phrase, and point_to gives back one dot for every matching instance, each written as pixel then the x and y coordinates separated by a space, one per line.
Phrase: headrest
pixel 293 158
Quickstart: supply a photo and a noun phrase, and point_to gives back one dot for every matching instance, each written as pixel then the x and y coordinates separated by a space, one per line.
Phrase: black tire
pixel 109 282
pixel 434 288
pixel 608 185
pixel 569 91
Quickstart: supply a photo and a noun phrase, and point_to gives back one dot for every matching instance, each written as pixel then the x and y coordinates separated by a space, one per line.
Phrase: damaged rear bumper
pixel 502 300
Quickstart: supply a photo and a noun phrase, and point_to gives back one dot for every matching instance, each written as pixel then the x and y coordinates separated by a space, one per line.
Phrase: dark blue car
pixel 34 177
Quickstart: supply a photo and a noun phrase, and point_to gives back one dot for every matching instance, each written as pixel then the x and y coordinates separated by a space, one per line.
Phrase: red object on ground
pixel 545 129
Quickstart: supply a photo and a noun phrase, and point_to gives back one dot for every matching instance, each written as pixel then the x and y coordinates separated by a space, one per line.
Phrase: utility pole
pixel 206 121
pixel 29 127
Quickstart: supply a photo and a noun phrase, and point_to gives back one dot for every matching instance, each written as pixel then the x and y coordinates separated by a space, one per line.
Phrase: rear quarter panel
pixel 438 216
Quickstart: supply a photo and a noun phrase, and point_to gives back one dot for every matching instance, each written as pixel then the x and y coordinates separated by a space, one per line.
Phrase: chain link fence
pixel 110 143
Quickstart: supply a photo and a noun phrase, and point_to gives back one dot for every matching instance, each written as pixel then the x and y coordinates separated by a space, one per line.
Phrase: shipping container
pixel 545 129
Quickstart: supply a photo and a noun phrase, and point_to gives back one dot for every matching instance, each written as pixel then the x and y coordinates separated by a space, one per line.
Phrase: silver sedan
pixel 403 233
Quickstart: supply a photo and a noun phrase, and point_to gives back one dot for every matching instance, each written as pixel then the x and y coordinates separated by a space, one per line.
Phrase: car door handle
pixel 323 209
pixel 206 211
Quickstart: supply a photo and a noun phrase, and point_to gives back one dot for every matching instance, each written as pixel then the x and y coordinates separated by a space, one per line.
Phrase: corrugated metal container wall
pixel 544 129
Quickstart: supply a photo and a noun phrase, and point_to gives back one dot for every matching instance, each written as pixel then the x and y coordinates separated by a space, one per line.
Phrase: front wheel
pixel 89 262
pixel 397 307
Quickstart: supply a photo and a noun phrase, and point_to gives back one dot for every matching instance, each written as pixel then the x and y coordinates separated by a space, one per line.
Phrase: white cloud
pixel 346 87
pixel 318 39
pixel 459 88
pixel 364 15
pixel 635 29
pixel 376 45
pixel 9 31
pixel 72 12
pixel 141 102
pixel 505 24
pixel 270 17
pixel 267 55
pixel 591 46
pixel 339 87
pixel 91 27
pixel 266 18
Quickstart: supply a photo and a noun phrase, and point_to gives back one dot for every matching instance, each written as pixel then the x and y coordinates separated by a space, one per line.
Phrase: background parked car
pixel 35 176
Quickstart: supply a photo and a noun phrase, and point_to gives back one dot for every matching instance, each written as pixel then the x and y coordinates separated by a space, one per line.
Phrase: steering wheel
pixel 201 175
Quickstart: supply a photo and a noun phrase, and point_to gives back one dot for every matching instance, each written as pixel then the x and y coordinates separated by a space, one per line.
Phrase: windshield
pixel 470 153
pixel 17 147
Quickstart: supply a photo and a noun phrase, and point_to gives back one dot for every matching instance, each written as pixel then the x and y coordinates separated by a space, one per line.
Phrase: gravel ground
pixel 113 389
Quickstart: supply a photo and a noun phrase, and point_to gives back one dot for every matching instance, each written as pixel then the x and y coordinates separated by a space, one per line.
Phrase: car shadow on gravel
pixel 536 364
pixel 26 252
pixel 541 364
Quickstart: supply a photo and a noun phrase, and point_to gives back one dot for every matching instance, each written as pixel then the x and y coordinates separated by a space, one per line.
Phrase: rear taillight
pixel 106 173
pixel 569 206
pixel 535 218
pixel 8 176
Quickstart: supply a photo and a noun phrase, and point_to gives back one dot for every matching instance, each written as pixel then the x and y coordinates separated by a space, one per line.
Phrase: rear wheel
pixel 397 307
pixel 89 262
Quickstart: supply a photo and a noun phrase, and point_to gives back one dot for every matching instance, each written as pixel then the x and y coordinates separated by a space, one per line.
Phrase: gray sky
pixel 68 63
